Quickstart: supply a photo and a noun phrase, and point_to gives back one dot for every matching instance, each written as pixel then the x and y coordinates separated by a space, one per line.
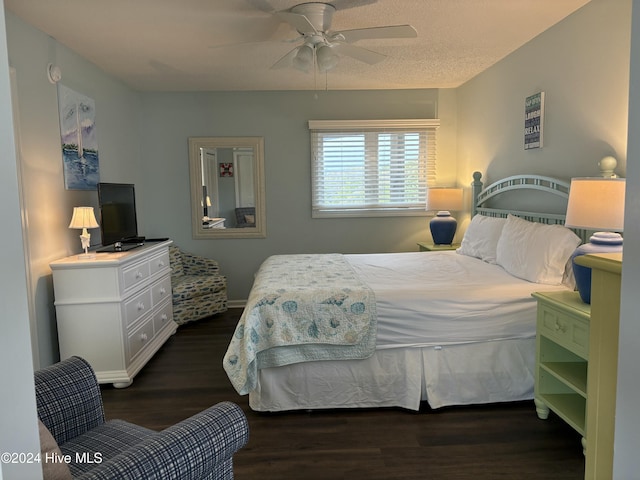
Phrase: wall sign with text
pixel 533 121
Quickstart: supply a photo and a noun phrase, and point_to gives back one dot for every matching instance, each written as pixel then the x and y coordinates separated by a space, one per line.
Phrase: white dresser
pixel 114 310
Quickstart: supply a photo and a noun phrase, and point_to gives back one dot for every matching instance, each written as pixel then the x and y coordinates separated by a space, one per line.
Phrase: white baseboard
pixel 236 303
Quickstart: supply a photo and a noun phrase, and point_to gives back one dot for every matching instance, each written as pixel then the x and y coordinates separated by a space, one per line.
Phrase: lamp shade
pixel 83 217
pixel 303 60
pixel 444 198
pixel 326 58
pixel 596 204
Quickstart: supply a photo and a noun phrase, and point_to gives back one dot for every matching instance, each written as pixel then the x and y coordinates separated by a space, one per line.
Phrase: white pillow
pixel 534 251
pixel 481 238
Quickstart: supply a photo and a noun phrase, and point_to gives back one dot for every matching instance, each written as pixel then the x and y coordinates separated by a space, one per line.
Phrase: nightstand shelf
pixel 571 408
pixel 573 374
pixel 562 356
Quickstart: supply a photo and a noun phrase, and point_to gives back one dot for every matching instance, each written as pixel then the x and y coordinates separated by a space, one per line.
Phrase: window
pixel 371 167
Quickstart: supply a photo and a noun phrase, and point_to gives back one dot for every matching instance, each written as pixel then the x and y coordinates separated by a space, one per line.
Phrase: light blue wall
pixel 47 205
pixel 582 65
pixel 281 118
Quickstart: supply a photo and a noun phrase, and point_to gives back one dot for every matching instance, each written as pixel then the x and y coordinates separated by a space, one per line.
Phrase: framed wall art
pixel 226 169
pixel 533 121
pixel 78 138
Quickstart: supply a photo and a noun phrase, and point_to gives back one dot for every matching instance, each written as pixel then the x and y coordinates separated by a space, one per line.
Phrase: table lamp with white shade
pixel 443 226
pixel 83 217
pixel 595 204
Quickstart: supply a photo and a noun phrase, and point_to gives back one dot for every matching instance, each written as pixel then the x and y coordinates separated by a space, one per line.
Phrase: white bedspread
pixel 301 308
pixel 452 330
pixel 444 298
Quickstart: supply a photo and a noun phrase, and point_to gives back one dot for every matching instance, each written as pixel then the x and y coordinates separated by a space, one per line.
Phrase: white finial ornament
pixel 607 166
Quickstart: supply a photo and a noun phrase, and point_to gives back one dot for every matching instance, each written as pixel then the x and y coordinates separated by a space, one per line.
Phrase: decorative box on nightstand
pixel 562 357
pixel 430 247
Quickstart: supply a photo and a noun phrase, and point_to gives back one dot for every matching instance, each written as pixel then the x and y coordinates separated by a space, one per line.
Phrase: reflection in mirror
pixel 227 187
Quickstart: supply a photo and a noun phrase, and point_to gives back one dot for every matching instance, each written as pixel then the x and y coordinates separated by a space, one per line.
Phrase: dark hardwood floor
pixel 505 441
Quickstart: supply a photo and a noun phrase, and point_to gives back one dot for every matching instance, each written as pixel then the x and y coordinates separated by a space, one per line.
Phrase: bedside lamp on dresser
pixel 83 218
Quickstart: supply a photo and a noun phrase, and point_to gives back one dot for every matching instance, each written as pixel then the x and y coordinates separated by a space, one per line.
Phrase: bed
pixel 394 330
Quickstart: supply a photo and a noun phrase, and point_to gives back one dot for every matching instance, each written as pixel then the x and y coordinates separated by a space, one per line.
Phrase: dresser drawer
pixel 159 263
pixel 566 330
pixel 137 306
pixel 162 316
pixel 140 337
pixel 161 290
pixel 135 274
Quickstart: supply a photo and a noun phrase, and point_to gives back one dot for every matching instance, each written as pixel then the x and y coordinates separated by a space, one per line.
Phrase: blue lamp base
pixel 443 228
pixel 600 242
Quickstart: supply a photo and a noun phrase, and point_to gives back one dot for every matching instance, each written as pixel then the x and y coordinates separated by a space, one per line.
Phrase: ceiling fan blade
pixel 345 4
pixel 390 31
pixel 359 53
pixel 286 60
pixel 262 5
pixel 300 22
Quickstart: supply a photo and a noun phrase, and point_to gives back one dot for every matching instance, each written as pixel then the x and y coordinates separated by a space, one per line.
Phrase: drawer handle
pixel 139 274
pixel 163 291
pixel 143 337
pixel 560 328
pixel 161 263
pixel 164 318
pixel 140 306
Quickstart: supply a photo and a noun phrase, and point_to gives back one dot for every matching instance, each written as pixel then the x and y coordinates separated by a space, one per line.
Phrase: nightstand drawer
pixel 567 331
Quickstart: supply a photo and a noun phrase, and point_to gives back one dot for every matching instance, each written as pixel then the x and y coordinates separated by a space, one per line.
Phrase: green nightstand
pixel 562 357
pixel 430 247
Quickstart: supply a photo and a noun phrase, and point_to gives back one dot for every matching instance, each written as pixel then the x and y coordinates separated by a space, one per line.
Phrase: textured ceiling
pixel 190 45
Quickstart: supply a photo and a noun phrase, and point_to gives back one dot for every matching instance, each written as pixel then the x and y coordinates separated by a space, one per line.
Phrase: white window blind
pixel 372 167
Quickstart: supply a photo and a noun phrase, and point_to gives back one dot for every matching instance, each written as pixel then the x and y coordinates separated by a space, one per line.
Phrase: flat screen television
pixel 118 221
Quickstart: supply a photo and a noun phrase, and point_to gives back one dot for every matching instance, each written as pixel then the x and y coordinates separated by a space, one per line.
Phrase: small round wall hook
pixel 54 74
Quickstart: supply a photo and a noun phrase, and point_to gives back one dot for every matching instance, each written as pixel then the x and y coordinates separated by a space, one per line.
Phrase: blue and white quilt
pixel 301 308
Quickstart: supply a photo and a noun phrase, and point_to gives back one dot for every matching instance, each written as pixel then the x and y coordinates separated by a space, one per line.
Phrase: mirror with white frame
pixel 227 187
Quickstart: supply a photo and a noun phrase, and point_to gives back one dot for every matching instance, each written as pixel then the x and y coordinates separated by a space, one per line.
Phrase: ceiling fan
pixel 321 47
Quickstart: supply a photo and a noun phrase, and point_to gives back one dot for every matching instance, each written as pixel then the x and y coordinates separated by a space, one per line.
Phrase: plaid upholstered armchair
pixel 199 290
pixel 70 407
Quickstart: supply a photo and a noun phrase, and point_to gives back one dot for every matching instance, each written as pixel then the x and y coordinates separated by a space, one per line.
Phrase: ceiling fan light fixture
pixel 326 58
pixel 303 60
